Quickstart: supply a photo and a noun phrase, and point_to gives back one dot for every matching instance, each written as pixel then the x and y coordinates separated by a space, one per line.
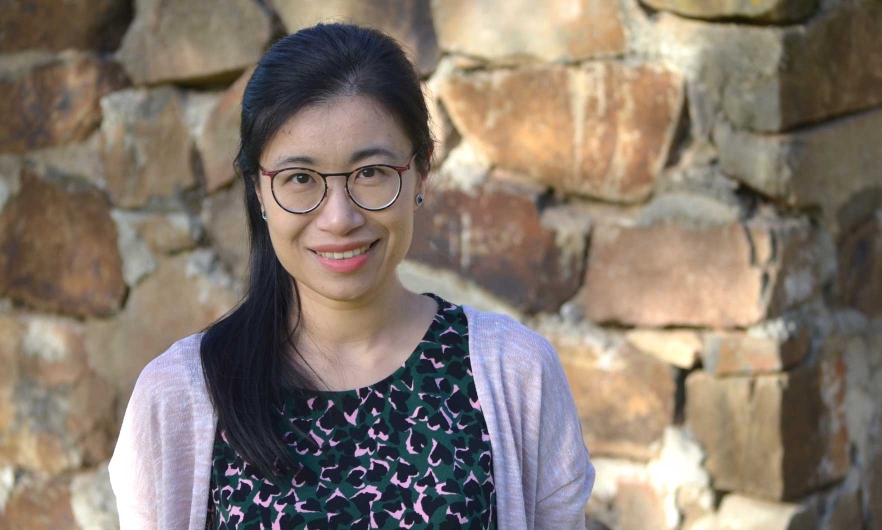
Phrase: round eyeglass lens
pixel 298 190
pixel 374 187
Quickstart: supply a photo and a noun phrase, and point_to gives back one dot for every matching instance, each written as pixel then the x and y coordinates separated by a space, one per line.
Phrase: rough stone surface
pixel 164 233
pixel 625 398
pixel 775 79
pixel 75 270
pixel 187 292
pixel 601 130
pixel 226 224
pixel 52 25
pixel 146 145
pixel 677 347
pixel 860 267
pixel 40 503
pixel 777 436
pixel 729 353
pixel 768 11
pixel 191 40
pixel 408 21
pixel 639 507
pixel 520 261
pixel 722 276
pixel 51 101
pixel 92 500
pixel 836 166
pixel 81 160
pixel 558 30
pixel 219 141
pixel 56 411
pixel 738 512
pixel 137 259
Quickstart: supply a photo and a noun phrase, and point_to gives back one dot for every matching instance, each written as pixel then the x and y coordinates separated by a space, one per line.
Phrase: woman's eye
pixel 367 172
pixel 302 178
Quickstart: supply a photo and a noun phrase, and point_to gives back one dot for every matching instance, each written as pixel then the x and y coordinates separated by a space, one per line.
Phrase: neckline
pixel 443 306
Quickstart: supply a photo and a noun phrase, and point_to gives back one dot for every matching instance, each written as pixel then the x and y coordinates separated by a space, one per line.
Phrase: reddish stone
pixel 56 26
pixel 54 101
pixel 738 353
pixel 58 250
pixel 572 128
pixel 39 504
pixel 219 142
pixel 518 260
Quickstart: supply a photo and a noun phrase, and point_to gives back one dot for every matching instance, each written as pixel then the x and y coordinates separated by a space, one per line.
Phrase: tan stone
pixel 39 503
pixel 51 25
pixel 601 130
pixel 558 30
pixel 219 142
pixel 186 293
pixel 92 500
pixel 860 267
pixel 408 21
pixel 729 353
pixel 191 40
pixel 769 11
pixel 776 436
pixel 872 494
pixel 775 79
pixel 146 145
pixel 720 276
pixel 81 160
pixel 639 507
pixel 520 261
pixel 677 347
pixel 835 166
pixel 57 411
pixel 625 398
pixel 164 233
pixel 52 100
pixel 226 224
pixel 76 270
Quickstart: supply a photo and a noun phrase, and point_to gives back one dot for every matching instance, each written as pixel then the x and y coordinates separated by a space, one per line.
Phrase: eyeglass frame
pixel 324 176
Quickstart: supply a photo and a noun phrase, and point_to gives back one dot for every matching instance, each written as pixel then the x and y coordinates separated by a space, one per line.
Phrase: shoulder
pixel 500 339
pixel 173 375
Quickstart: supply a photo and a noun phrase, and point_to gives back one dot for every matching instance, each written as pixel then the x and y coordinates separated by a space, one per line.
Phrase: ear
pixel 256 181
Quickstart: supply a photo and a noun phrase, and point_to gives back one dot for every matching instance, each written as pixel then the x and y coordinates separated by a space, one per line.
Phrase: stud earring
pixel 263 214
pixel 419 199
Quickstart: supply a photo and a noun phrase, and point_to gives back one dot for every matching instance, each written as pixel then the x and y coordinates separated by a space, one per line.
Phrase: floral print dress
pixel 411 451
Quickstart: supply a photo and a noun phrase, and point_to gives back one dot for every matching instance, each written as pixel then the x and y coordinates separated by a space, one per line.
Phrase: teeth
pixel 344 255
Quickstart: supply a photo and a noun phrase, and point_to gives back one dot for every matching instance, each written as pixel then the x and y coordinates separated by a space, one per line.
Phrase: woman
pixel 333 397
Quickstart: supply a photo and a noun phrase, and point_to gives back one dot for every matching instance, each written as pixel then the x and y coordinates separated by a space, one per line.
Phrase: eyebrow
pixel 356 156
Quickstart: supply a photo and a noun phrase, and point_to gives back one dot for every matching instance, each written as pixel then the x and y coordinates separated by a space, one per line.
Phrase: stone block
pixel 601 130
pixel 408 21
pixel 553 31
pixel 39 503
pixel 776 437
pixel 720 276
pixel 193 41
pixel 836 166
pixel 859 282
pixel 625 398
pixel 187 292
pixel 56 26
pixel 680 348
pixel 739 353
pixel 738 512
pixel 772 79
pixel 520 261
pixel 218 142
pixel 146 145
pixel 75 270
pixel 92 500
pixel 52 100
pixel 757 11
pixel 56 411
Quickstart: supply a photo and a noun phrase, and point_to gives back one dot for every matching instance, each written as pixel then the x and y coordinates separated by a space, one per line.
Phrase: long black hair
pixel 249 356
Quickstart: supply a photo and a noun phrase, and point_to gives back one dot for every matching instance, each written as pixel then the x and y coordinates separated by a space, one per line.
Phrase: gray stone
pixel 92 500
pixel 761 11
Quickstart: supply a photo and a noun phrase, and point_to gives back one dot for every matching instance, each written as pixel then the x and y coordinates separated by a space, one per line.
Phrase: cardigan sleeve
pixel 565 474
pixel 132 470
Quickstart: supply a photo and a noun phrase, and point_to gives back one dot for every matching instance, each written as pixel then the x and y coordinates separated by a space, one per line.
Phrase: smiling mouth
pixel 346 255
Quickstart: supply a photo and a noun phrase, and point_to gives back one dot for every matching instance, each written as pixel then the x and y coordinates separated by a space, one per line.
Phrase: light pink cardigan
pixel 543 476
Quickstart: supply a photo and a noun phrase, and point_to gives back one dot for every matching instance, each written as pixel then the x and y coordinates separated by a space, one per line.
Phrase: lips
pixel 342 247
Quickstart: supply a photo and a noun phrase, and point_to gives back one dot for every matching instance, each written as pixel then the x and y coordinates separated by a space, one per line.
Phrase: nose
pixel 337 214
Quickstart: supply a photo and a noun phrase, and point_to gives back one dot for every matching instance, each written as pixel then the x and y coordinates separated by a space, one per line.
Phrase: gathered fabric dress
pixel 411 451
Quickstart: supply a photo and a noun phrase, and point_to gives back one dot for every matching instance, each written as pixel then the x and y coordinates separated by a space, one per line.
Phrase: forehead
pixel 329 133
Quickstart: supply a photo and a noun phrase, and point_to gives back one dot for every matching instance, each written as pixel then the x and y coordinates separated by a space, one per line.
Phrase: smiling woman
pixel 332 396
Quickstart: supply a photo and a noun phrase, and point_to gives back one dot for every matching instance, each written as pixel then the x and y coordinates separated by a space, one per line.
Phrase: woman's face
pixel 329 136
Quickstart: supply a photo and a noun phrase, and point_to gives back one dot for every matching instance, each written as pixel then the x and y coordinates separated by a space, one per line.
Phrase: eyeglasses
pixel 301 190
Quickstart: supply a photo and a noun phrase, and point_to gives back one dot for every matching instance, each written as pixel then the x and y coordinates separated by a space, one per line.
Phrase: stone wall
pixel 684 196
